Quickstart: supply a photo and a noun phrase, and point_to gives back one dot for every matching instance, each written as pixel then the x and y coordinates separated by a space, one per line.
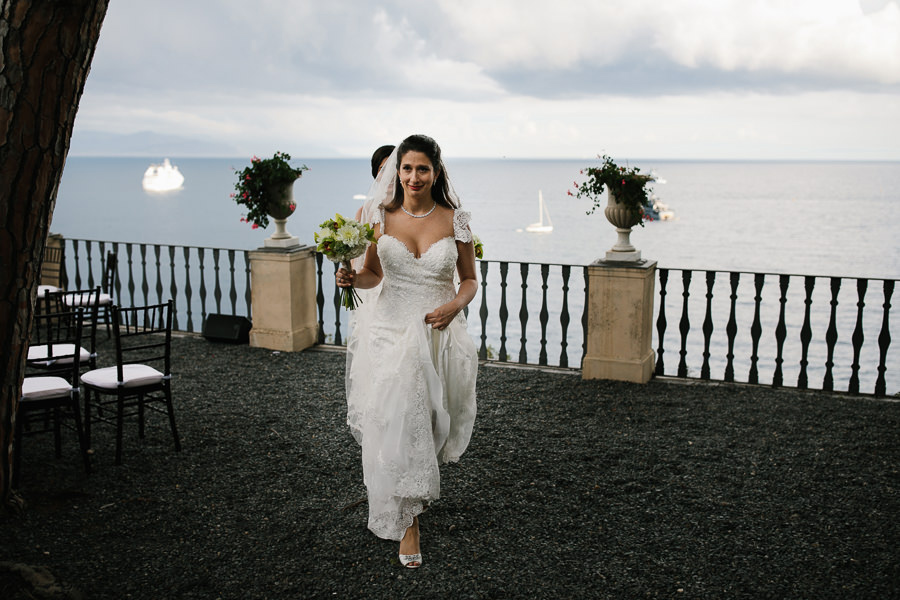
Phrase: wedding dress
pixel 410 388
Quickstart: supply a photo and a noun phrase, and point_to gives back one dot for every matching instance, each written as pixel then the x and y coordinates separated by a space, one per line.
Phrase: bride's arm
pixel 468 287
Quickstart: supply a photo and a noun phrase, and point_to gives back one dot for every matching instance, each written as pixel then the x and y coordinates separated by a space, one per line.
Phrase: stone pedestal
pixel 620 315
pixel 283 297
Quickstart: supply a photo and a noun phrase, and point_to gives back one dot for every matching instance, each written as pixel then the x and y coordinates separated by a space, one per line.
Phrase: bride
pixel 411 365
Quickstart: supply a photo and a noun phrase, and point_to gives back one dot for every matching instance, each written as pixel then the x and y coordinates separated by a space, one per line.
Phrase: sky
pixel 673 79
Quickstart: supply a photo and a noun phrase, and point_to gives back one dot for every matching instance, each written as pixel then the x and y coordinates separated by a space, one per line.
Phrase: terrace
pixel 570 488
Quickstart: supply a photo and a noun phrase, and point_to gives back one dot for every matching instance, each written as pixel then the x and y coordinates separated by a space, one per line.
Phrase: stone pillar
pixel 283 298
pixel 620 315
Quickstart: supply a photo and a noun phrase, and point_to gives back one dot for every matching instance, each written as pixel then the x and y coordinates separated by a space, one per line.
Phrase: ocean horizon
pixel 806 217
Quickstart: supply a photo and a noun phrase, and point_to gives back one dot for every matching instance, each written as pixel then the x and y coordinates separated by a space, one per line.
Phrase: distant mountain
pixel 145 143
pixel 149 144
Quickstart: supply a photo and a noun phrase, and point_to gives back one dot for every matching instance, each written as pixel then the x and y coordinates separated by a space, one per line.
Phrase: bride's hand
pixel 440 317
pixel 345 278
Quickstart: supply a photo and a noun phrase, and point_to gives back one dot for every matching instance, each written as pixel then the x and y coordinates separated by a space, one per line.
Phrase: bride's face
pixel 416 175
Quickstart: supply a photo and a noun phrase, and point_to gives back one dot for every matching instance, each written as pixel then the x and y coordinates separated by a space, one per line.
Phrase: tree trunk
pixel 46 49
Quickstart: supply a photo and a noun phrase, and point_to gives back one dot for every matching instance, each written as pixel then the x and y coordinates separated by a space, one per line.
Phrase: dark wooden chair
pixel 141 377
pixel 61 302
pixel 53 270
pixel 50 390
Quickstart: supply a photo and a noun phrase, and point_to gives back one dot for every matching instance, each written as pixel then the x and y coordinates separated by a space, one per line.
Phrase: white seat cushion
pixel 135 376
pixel 40 351
pixel 43 289
pixel 76 300
pixel 38 388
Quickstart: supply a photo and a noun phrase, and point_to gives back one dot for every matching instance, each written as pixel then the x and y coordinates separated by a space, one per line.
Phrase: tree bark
pixel 46 47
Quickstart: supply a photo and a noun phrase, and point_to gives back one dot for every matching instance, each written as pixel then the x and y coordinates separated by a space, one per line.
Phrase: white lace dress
pixel 410 388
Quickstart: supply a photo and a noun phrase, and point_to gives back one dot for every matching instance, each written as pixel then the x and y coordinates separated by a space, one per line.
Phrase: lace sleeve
pixel 461 230
pixel 378 216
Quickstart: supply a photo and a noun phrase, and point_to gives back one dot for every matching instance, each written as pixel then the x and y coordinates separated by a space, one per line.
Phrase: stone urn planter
pixel 266 189
pixel 280 206
pixel 623 219
pixel 626 196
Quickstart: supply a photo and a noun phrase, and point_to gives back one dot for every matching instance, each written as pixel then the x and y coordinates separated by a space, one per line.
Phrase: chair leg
pixel 87 418
pixel 57 432
pixel 82 439
pixel 141 416
pixel 120 419
pixel 171 410
pixel 17 448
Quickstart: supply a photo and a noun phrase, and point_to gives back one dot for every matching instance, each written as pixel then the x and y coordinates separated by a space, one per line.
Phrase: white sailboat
pixel 540 226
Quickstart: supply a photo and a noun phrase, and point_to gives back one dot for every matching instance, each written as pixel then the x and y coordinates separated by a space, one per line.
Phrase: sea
pixel 833 219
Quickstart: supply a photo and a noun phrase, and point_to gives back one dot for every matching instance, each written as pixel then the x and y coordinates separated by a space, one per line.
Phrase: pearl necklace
pixel 431 210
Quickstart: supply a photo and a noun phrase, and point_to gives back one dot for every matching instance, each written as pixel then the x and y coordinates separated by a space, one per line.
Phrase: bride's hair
pixel 441 190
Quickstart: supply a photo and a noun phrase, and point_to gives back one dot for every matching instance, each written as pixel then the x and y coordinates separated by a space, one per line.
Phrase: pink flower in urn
pixel 247 178
pixel 254 159
pixel 255 226
pixel 292 206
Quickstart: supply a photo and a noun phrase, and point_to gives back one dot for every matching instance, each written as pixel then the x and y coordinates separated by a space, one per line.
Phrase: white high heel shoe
pixel 412 561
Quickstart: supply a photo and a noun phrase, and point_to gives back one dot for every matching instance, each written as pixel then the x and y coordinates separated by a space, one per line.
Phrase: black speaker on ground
pixel 227 328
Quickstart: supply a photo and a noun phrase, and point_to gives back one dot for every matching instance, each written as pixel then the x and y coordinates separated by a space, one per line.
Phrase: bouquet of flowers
pixel 479 247
pixel 341 240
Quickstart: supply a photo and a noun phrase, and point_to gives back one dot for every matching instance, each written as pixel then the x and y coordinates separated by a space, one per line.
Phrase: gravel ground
pixel 570 489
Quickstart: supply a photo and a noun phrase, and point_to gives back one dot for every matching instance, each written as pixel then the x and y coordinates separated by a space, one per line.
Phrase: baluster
pixel 75 247
pixel 115 250
pixel 102 246
pixel 661 322
pixel 544 314
pixel 187 287
pixel 320 299
pixel 831 336
pixel 159 286
pixel 217 290
pixel 732 328
pixel 564 317
pixel 88 247
pixel 756 328
pixel 780 333
pixel 483 313
pixel 247 291
pixel 129 259
pixel 173 287
pixel 232 294
pixel 64 271
pixel 145 286
pixel 707 323
pixel 201 258
pixel 337 309
pixel 858 337
pixel 884 338
pixel 502 357
pixel 523 312
pixel 806 333
pixel 685 324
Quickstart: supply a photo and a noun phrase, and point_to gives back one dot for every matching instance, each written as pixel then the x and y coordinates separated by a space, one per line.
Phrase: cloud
pixel 652 47
pixel 506 77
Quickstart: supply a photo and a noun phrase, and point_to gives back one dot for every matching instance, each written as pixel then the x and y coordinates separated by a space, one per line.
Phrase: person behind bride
pixel 411 373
